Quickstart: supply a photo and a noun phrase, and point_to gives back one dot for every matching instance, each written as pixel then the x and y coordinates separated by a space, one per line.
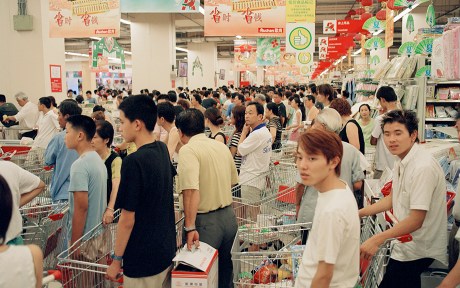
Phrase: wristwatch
pixel 189 229
pixel 115 257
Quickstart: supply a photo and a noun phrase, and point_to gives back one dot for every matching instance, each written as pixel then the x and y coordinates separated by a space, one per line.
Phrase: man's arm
pixel 124 229
pixel 453 278
pixel 382 205
pixel 27 197
pixel 79 215
pixel 373 140
pixel 191 198
pixel 51 151
pixel 323 275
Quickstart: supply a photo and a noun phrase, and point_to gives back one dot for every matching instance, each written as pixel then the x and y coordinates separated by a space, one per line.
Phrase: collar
pixel 261 125
pixel 412 153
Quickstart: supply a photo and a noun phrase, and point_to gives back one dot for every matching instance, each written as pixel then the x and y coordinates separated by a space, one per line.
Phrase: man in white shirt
pixel 24 186
pixel 256 150
pixel 418 200
pixel 331 257
pixel 48 126
pixel 383 158
pixel 27 116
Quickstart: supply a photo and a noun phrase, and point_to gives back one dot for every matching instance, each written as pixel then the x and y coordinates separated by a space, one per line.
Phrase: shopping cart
pixel 285 154
pixel 267 198
pixel 276 259
pixel 228 132
pixel 51 278
pixel 43 225
pixel 85 263
pixel 371 272
pixel 285 135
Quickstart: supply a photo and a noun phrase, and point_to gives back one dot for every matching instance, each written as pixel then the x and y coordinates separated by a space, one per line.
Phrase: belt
pixel 212 211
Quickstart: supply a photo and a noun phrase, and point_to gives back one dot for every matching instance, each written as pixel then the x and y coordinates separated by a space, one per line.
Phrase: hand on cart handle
pixel 113 271
pixel 193 238
pixel 107 218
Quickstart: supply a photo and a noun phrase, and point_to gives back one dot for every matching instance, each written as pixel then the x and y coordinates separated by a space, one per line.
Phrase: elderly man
pixel 27 116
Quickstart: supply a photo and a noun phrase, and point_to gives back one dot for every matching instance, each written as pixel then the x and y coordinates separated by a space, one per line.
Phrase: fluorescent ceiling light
pixel 238 37
pixel 358 51
pixel 181 49
pixel 185 58
pixel 406 11
pixel 95 38
pixel 201 9
pixel 76 54
pixel 125 21
pixel 129 52
pixel 351 69
pixel 377 32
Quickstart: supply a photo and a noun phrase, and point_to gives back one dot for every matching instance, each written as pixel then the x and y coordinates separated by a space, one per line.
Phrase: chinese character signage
pixel 160 6
pixel 84 18
pixel 300 11
pixel 56 78
pixel 102 50
pixel 342 26
pixel 245 53
pixel 251 18
pixel 268 51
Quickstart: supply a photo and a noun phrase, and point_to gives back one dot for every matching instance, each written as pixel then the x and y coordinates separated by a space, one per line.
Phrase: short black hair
pixel 105 130
pixel 163 97
pixel 172 96
pixel 197 97
pixel 45 101
pixel 79 99
pixel 387 93
pixel 206 93
pixel 69 107
pixel 2 98
pixel 274 108
pixel 166 110
pixel 70 90
pixel 241 97
pixel 259 107
pixel 84 124
pixel 98 108
pixel 406 117
pixel 142 108
pixel 311 98
pixel 88 92
pixel 345 94
pixel 190 122
pixel 6 206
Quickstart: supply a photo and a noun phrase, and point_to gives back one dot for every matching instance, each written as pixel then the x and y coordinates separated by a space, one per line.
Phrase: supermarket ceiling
pixel 190 27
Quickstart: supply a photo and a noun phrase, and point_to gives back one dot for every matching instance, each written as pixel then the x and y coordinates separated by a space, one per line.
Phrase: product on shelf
pixel 443 94
pixel 430 111
pixel 440 112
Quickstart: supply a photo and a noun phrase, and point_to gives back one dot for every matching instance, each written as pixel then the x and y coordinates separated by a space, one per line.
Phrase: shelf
pixel 448 140
pixel 440 120
pixel 442 101
pixel 451 82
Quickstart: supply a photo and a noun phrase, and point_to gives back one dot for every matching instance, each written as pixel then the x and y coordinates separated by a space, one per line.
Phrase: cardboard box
pixel 196 268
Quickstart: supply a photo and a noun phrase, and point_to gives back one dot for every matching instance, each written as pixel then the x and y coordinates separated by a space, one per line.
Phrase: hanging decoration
pixel 102 50
pixel 366 3
pixel 391 5
pixel 197 65
pixel 373 25
pixel 407 48
pixel 425 71
pixel 375 60
pixel 430 16
pixel 410 26
pixel 425 47
pixel 381 15
pixel 374 43
pixel 408 3
pixel 366 16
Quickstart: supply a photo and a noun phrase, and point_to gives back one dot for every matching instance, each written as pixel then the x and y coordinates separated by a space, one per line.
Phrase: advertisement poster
pixel 160 6
pixel 102 50
pixel 56 78
pixel 342 26
pixel 84 18
pixel 300 37
pixel 300 11
pixel 268 51
pixel 183 68
pixel 245 53
pixel 248 18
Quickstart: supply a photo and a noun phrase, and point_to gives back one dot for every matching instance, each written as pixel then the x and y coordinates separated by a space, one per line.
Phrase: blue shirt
pixel 62 158
pixel 91 100
pixel 89 174
pixel 229 109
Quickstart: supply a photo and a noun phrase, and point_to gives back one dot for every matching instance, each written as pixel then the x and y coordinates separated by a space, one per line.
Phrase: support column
pixel 26 56
pixel 202 55
pixel 153 39
pixel 88 78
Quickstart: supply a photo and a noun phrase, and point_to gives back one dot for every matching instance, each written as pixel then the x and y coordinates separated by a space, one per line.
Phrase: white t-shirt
pixel 17 263
pixel 256 151
pixel 334 239
pixel 20 182
pixel 383 156
pixel 419 184
pixel 27 116
pixel 48 126
pixel 294 117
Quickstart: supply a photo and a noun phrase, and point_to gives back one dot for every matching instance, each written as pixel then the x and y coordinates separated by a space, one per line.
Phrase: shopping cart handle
pixel 53 275
pixel 276 163
pixel 48 168
pixel 405 238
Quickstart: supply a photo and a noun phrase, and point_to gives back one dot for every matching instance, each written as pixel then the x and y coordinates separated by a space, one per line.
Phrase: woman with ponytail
pixel 298 117
pixel 213 120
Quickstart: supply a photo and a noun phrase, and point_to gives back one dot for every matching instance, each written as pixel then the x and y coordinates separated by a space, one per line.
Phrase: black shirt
pixel 344 137
pixel 208 103
pixel 8 109
pixel 146 188
pixel 282 113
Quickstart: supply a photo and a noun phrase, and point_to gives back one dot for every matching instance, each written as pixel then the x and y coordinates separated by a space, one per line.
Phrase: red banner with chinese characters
pixel 342 26
pixel 56 78
pixel 251 18
pixel 84 18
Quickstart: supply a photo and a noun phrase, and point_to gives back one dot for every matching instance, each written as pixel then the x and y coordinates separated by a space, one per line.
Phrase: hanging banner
pixel 342 26
pixel 390 28
pixel 250 18
pixel 56 78
pixel 102 50
pixel 160 6
pixel 300 11
pixel 330 47
pixel 268 51
pixel 287 61
pixel 84 18
pixel 300 37
pixel 245 53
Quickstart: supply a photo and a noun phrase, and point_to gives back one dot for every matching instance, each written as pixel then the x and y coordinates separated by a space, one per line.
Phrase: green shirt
pixel 367 131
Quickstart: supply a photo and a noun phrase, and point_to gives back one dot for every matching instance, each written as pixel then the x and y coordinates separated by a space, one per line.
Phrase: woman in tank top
pixel 21 266
pixel 213 120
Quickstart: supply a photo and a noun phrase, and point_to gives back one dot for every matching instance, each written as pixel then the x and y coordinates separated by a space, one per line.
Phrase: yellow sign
pixel 304 57
pixel 300 11
pixel 305 70
pixel 300 38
